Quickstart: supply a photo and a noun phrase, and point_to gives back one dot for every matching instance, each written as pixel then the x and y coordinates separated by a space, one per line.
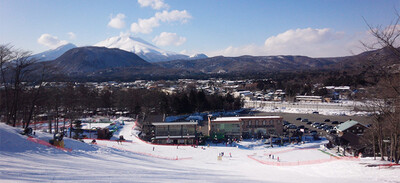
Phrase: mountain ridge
pixel 53 53
pixel 142 48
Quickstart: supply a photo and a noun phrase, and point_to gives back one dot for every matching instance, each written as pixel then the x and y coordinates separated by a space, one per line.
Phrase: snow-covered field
pixel 137 161
pixel 346 108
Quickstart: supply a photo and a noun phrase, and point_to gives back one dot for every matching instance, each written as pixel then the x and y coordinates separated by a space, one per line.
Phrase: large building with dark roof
pixel 245 127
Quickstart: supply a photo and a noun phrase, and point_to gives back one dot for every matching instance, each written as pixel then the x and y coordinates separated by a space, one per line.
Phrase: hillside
pixel 26 161
pixel 222 64
pixel 84 60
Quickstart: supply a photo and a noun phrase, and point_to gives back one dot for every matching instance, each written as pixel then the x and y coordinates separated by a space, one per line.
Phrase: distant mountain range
pixel 142 48
pixel 222 64
pixel 114 63
pixel 128 43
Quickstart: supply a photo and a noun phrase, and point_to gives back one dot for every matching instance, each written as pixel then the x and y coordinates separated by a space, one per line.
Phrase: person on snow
pixel 121 138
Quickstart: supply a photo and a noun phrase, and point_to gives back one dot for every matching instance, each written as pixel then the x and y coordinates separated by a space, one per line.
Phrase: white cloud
pixel 71 35
pixel 302 36
pixel 50 41
pixel 308 42
pixel 146 26
pixel 117 21
pixel 174 15
pixel 168 38
pixel 155 4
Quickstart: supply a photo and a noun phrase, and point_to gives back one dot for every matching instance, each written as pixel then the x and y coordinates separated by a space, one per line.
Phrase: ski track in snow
pixel 135 161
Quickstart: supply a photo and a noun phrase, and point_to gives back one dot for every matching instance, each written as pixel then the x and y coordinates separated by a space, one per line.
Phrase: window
pixel 256 122
pixel 271 122
pixel 264 122
pixel 249 122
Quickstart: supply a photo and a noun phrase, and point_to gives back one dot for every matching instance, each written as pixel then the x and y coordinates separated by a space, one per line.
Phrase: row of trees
pixel 72 101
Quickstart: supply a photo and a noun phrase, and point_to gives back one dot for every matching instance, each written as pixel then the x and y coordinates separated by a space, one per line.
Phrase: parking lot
pixel 291 118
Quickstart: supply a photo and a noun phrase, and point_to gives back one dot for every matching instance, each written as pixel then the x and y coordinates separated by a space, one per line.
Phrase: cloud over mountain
pixel 168 38
pixel 50 41
pixel 71 35
pixel 308 41
pixel 145 26
pixel 117 21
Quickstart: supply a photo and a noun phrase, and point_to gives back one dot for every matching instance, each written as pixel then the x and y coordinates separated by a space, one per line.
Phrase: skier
pixel 121 138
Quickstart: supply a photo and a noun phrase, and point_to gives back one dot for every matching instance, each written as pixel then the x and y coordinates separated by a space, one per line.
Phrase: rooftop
pixel 346 125
pixel 245 117
pixel 174 123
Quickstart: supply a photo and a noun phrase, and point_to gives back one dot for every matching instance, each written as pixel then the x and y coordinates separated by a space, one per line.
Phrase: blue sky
pixel 317 28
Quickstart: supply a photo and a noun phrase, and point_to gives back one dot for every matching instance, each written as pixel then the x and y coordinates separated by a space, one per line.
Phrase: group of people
pixel 273 157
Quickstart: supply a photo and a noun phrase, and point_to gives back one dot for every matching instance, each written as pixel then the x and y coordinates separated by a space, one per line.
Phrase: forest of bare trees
pixel 384 97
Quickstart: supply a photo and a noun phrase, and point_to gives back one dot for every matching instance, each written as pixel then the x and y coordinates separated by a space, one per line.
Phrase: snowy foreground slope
pixel 135 161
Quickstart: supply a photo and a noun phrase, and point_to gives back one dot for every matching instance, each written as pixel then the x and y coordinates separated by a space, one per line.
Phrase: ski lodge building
pixel 175 133
pixel 245 126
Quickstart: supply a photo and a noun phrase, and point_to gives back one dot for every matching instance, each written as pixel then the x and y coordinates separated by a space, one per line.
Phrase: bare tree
pixel 15 67
pixel 385 68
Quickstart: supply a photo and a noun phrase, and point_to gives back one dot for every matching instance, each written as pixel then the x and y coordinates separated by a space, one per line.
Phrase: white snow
pixel 140 47
pixel 135 161
pixel 344 109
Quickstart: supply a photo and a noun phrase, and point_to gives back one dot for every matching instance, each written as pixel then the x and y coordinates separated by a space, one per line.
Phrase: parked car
pixel 304 120
pixel 292 126
pixel 298 119
pixel 335 122
pixel 300 127
pixel 332 131
pixel 309 123
pixel 315 112
pixel 327 120
pixel 315 124
pixel 313 132
pixel 285 123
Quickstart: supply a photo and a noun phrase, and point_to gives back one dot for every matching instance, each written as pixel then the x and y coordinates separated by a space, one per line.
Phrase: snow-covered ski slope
pixel 135 161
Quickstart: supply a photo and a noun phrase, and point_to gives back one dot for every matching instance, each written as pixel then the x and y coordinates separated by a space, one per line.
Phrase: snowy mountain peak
pixel 140 47
pixel 198 56
pixel 53 53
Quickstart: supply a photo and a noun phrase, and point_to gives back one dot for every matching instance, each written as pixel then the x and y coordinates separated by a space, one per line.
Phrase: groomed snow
pixel 135 161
